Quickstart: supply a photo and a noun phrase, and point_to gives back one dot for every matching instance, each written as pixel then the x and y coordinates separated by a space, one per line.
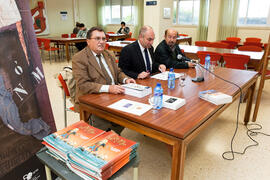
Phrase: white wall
pixel 83 11
pixel 87 13
pixel 259 32
pixel 152 18
pixel 56 25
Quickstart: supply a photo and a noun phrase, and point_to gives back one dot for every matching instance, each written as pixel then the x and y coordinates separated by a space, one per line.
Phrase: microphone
pixel 179 56
pixel 199 72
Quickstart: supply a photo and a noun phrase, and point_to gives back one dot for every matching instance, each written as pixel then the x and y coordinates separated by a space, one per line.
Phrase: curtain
pixel 138 16
pixel 100 13
pixel 228 19
pixel 203 21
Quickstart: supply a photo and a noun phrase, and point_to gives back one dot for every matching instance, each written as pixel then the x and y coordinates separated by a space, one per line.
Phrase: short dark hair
pixel 89 33
pixel 123 23
pixel 81 25
pixel 77 24
pixel 166 32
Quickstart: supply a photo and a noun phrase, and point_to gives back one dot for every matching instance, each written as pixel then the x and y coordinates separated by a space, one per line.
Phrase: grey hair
pixel 144 29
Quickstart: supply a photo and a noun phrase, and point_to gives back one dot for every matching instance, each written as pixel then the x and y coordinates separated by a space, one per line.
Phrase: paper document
pixel 129 106
pixel 164 75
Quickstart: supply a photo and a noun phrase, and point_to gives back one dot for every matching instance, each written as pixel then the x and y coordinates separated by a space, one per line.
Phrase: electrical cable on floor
pixel 250 131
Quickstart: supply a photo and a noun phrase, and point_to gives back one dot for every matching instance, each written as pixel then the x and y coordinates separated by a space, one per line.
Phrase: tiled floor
pixel 204 154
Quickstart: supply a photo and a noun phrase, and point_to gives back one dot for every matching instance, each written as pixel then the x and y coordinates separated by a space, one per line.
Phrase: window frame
pixel 176 23
pixel 121 13
pixel 246 18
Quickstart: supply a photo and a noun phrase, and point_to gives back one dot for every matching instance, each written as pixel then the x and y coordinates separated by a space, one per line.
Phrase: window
pixel 186 12
pixel 254 12
pixel 117 11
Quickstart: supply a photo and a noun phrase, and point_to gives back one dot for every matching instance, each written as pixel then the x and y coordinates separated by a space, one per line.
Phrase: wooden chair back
pixel 265 74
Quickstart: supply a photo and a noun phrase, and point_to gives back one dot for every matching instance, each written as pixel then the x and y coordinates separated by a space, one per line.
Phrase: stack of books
pixel 215 97
pixel 90 152
pixel 137 90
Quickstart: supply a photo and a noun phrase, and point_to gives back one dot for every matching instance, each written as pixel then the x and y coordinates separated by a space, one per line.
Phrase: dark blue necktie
pixel 147 60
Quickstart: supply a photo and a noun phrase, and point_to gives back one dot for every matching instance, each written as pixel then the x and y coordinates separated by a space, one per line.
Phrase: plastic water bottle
pixel 171 79
pixel 207 62
pixel 158 96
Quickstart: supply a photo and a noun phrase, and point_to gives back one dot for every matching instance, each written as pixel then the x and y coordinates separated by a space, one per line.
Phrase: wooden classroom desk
pixel 191 52
pixel 117 46
pixel 66 41
pixel 176 128
pixel 184 39
pixel 115 37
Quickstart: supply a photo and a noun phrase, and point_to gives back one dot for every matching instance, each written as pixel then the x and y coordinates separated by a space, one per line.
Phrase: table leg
pixel 190 41
pixel 67 51
pixel 249 102
pixel 178 158
pixel 48 173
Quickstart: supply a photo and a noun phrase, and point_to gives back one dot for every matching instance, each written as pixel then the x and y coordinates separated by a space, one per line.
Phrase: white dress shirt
pixel 105 88
pixel 150 59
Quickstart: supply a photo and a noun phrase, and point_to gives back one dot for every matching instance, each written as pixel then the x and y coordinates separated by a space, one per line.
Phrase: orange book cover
pixel 102 152
pixel 73 136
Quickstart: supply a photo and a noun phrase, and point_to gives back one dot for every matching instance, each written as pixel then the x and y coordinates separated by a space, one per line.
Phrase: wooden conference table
pixel 66 42
pixel 176 128
pixel 191 52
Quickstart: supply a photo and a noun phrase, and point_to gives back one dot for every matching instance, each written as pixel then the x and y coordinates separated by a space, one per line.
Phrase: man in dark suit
pixel 95 71
pixel 169 53
pixel 137 59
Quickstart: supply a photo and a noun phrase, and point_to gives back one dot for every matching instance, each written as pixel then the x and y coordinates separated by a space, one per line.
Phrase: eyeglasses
pixel 99 38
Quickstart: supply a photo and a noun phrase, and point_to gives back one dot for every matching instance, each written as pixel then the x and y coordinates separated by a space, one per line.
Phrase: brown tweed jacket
pixel 88 75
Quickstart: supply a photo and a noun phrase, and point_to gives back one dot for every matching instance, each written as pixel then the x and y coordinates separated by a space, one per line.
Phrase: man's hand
pixel 116 89
pixel 190 64
pixel 130 81
pixel 162 68
pixel 143 75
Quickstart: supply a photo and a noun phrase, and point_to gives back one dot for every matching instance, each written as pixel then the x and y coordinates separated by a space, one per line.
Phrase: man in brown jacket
pixel 95 71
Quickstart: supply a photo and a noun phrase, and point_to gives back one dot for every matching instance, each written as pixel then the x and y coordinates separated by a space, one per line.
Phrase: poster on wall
pixel 39 15
pixel 25 110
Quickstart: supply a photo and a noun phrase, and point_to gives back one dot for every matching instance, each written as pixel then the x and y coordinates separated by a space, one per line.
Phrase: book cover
pixel 132 107
pixel 102 152
pixel 215 97
pixel 106 173
pixel 172 102
pixel 72 136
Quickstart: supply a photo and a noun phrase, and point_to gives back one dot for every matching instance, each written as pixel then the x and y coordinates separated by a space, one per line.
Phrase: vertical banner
pixel 25 111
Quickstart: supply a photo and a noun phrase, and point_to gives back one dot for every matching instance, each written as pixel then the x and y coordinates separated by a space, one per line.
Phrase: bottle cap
pixel 158 84
pixel 171 69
